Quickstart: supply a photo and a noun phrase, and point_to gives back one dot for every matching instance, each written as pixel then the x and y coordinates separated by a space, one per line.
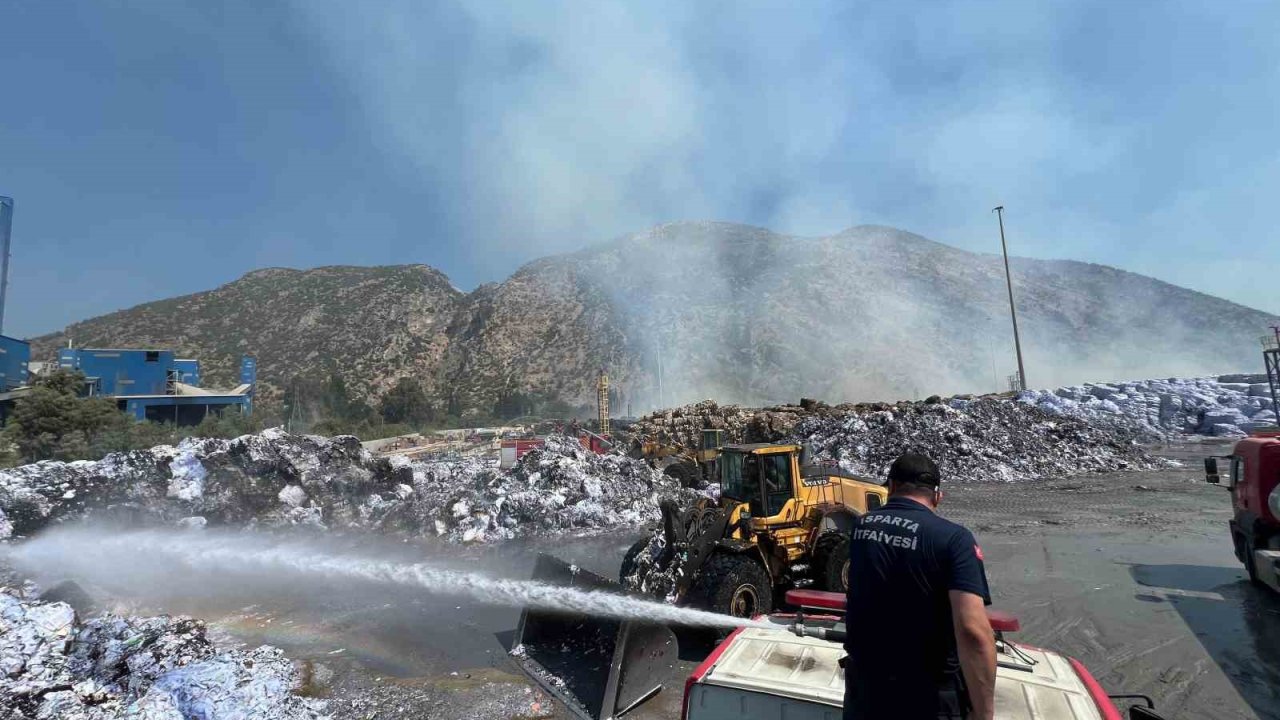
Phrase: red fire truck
pixel 1253 474
pixel 1252 477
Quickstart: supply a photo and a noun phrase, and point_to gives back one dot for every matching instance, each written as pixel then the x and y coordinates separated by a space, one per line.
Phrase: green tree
pixel 226 425
pixel 406 403
pixel 555 407
pixel 103 428
pixel 323 405
pixel 62 381
pixel 337 403
pixel 301 404
pixel 513 404
pixel 43 416
pixel 53 422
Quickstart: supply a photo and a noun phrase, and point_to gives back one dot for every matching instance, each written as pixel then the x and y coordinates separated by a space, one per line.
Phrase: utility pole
pixel 6 224
pixel 1013 313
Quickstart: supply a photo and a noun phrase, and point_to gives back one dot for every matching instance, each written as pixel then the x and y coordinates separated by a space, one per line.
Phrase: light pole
pixel 1017 343
pixel 6 223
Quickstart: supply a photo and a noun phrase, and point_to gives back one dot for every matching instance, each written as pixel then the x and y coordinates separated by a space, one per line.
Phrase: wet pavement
pixel 1134 574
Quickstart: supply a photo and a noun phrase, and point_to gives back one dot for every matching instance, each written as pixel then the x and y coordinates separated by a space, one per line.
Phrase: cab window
pixel 730 475
pixel 1237 470
pixel 740 479
pixel 777 482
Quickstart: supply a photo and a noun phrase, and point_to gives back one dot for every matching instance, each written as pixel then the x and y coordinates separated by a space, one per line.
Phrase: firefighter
pixel 920 644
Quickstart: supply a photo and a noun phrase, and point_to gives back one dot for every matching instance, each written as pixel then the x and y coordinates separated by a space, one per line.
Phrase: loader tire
pixel 831 562
pixel 734 585
pixel 629 560
pixel 685 474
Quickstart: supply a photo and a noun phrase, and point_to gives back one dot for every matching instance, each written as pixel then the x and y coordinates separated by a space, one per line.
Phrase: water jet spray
pixel 103 556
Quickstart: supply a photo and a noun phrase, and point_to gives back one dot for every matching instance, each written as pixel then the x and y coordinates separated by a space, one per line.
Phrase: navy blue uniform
pixel 903 561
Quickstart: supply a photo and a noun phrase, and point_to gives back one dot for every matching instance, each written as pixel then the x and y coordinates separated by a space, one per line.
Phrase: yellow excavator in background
pixel 779 522
pixel 692 467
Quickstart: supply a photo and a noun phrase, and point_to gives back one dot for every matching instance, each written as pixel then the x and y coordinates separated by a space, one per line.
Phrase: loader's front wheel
pixel 684 473
pixel 631 559
pixel 734 585
pixel 831 562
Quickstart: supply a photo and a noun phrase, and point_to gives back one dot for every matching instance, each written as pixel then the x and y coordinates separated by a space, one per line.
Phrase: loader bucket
pixel 598 667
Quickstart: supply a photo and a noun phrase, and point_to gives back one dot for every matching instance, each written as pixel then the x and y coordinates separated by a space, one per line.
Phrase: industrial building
pixel 156 385
pixel 15 356
pixel 147 384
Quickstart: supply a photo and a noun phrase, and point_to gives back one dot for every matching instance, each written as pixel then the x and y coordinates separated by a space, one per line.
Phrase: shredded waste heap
pixel 1223 406
pixel 561 486
pixel 740 424
pixel 276 479
pixel 973 441
pixel 52 665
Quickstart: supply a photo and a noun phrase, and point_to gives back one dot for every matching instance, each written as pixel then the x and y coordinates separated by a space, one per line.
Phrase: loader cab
pixel 760 475
pixel 708 454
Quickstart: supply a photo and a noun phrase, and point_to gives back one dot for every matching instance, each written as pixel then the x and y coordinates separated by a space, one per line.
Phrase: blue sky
pixel 161 147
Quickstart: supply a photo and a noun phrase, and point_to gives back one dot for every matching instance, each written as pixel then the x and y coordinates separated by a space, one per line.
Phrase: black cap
pixel 913 467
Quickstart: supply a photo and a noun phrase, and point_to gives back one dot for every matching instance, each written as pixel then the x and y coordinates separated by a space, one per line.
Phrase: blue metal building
pixel 15 355
pixel 188 371
pixel 248 370
pixel 111 371
pixel 155 385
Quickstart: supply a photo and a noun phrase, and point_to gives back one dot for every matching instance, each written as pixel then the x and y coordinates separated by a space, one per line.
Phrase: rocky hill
pixel 692 310
pixel 373 324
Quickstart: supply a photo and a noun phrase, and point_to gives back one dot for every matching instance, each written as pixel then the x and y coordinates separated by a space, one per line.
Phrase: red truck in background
pixel 1253 474
pixel 1253 477
pixel 511 450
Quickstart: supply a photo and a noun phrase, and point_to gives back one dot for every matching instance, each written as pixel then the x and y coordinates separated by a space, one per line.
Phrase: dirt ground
pixel 1132 573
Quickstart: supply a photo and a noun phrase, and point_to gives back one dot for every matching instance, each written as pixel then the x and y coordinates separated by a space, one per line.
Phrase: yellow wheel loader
pixel 779 522
pixel 690 467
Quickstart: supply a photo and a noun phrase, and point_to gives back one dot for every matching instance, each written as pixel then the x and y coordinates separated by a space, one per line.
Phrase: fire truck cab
pixel 1252 474
pixel 792 672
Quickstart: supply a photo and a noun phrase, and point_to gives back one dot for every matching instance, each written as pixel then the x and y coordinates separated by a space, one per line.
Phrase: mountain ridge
pixel 689 310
